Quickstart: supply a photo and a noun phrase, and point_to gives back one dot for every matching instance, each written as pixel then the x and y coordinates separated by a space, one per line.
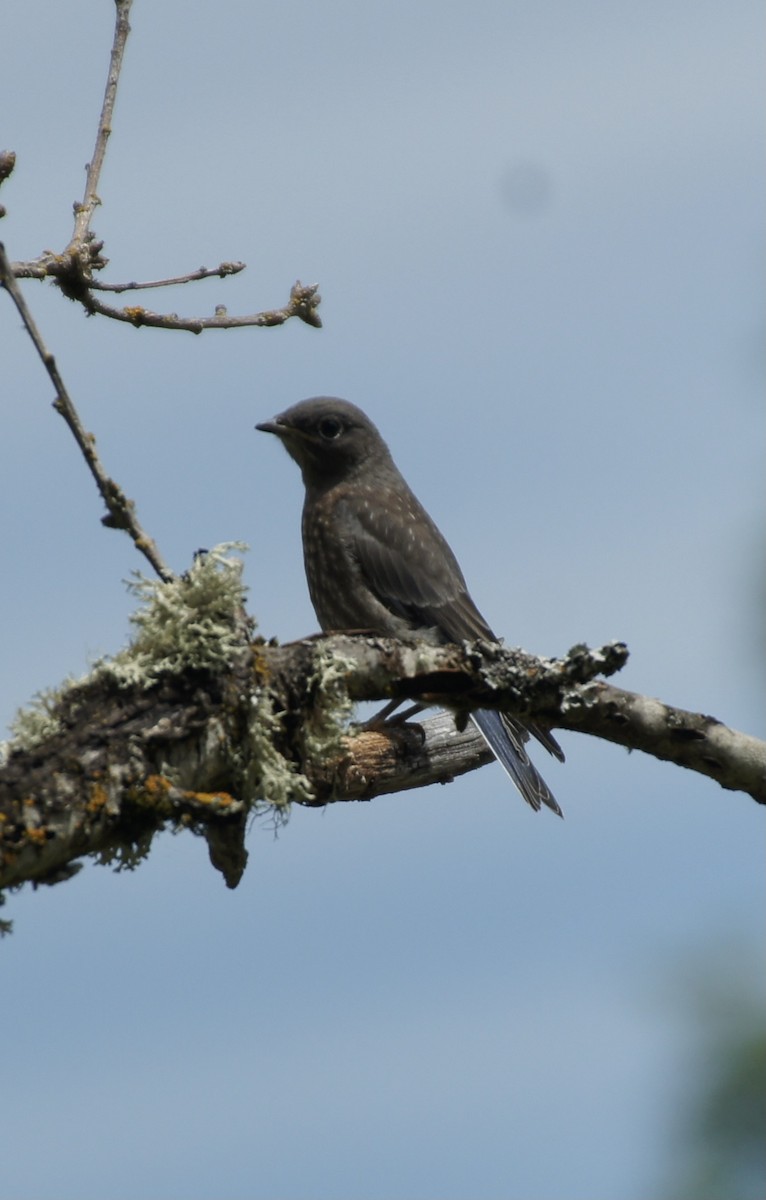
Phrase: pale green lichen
pixel 329 709
pixel 190 622
pixel 37 722
pixel 193 622
pixel 270 781
pixel 187 623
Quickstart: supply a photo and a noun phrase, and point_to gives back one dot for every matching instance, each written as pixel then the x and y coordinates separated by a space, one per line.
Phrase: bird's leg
pixel 381 718
pixel 410 712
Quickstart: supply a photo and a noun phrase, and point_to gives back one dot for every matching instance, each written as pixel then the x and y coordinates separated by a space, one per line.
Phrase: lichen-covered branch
pixel 196 725
pixel 124 763
pixel 157 734
pixel 562 693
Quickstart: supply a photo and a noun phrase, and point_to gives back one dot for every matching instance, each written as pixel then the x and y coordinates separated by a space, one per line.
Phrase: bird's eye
pixel 330 428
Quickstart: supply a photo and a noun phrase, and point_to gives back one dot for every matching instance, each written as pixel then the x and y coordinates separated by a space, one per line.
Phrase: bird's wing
pixel 409 566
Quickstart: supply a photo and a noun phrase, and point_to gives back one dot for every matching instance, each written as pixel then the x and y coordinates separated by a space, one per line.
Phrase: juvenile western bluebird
pixel 375 560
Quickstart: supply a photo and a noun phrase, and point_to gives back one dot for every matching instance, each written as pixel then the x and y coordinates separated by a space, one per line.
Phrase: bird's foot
pixel 385 716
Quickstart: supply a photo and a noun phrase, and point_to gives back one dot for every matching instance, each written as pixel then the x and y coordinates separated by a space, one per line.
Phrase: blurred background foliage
pixel 718 1127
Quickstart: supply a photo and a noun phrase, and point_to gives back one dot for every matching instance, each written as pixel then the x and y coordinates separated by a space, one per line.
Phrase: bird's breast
pixel 340 590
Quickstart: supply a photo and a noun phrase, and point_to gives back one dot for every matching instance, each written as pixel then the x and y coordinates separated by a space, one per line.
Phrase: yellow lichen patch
pixel 156 792
pixel 37 835
pixel 98 797
pixel 135 313
pixel 220 799
pixel 167 799
pixel 260 664
pixel 157 786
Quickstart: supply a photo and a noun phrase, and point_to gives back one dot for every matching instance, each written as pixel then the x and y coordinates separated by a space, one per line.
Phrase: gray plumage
pixel 376 561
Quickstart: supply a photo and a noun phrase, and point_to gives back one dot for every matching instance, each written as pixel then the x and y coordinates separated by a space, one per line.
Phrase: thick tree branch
pixel 202 748
pixel 561 693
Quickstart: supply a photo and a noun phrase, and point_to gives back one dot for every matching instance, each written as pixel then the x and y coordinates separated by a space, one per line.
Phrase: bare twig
pixel 302 304
pixel 74 268
pixel 47 265
pixel 84 211
pixel 121 510
pixel 222 270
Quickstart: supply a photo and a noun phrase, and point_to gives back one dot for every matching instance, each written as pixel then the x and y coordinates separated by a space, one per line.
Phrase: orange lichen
pixel 222 799
pixel 98 797
pixel 157 786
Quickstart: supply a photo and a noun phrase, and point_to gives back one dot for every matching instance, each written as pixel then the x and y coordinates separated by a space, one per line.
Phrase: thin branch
pixel 73 269
pixel 121 510
pixel 84 211
pixel 222 270
pixel 303 303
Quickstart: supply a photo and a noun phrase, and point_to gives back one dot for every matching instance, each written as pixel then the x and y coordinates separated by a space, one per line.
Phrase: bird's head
pixel 329 439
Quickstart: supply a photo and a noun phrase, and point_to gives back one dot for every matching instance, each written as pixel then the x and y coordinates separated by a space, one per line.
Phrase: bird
pixel 376 561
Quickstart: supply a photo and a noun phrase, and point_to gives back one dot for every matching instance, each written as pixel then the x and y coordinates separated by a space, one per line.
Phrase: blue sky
pixel 538 233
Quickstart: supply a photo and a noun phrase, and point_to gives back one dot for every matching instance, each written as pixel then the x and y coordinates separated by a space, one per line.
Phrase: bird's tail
pixel 505 738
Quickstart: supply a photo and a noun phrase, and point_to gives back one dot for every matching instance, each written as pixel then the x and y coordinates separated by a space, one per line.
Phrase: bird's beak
pixel 273 427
